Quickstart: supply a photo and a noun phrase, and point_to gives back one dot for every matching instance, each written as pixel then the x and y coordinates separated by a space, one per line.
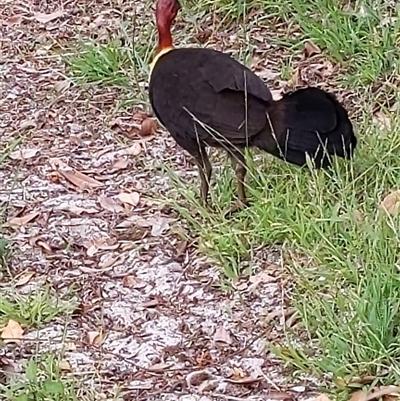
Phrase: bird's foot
pixel 239 205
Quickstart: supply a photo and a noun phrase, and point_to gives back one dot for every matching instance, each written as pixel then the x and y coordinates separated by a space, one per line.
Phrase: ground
pixel 116 284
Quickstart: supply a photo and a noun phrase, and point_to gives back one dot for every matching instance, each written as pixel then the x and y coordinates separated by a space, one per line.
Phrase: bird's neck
pixel 164 37
pixel 164 43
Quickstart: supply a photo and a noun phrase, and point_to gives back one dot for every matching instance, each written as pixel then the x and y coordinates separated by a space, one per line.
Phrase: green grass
pixel 349 295
pixel 42 381
pixel 37 308
pixel 365 40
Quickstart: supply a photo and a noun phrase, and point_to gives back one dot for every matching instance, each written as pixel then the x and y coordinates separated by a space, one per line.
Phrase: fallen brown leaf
pixel 108 261
pixel 310 49
pixel 109 204
pixel 296 79
pixel 133 282
pixel 61 86
pixel 159 226
pixel 21 221
pixel 382 391
pixel 132 198
pixel 120 164
pixel 80 180
pixel 12 333
pixel 22 154
pixel 382 120
pixel 391 203
pixel 14 20
pixel 149 126
pixel 159 367
pixel 134 150
pixel 94 338
pixel 65 365
pixel 222 335
pixel 359 396
pixel 151 303
pixel 245 380
pixel 45 18
pixel 39 242
pixel 322 397
pixel 24 279
pixel 276 94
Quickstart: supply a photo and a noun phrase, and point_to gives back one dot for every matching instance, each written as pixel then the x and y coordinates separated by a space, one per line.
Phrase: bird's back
pixel 207 95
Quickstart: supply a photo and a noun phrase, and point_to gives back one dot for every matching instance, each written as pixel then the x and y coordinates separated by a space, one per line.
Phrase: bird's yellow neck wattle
pixel 158 55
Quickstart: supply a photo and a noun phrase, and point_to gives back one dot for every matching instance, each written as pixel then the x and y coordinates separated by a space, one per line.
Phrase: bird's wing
pixel 208 94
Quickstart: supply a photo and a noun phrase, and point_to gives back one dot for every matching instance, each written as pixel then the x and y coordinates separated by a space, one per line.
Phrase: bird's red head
pixel 166 12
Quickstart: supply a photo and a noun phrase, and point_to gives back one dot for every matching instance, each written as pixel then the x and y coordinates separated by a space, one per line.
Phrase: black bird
pixel 206 98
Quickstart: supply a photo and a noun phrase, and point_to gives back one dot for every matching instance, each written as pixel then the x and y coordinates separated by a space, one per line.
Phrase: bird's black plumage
pixel 205 97
pixel 311 121
pixel 210 86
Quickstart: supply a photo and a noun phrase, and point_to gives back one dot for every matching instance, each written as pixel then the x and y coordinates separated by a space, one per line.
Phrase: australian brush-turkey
pixel 206 98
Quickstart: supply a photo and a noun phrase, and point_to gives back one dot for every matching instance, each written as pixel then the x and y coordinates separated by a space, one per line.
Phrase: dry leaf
pixel 276 94
pixel 151 303
pixel 26 124
pixel 159 226
pixel 80 180
pixel 132 198
pixel 92 250
pixel 61 86
pixel 14 20
pixel 23 154
pixel 359 396
pixel 109 204
pixel 108 261
pixel 94 338
pixel 194 379
pixel 382 120
pixel 380 392
pixel 222 335
pixel 44 18
pixel 134 150
pixel 140 115
pixel 149 126
pixel 133 282
pixel 70 346
pixel 39 242
pixel 120 164
pixel 65 365
pixel 159 367
pixel 20 221
pixel 322 397
pixel 12 333
pixel 24 279
pixel 391 203
pixel 296 79
pixel 310 49
pixel 245 380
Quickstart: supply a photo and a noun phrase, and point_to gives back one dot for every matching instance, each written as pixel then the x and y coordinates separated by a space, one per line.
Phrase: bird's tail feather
pixel 309 121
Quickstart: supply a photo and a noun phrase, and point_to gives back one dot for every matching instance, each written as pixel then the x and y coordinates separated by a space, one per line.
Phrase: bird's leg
pixel 239 166
pixel 205 169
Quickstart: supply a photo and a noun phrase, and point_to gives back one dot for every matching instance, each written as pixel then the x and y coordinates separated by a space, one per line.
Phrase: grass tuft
pixel 37 308
pixel 42 381
pixel 348 295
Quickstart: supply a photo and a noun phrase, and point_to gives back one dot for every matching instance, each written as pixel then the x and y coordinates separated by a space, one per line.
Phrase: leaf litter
pixel 148 319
